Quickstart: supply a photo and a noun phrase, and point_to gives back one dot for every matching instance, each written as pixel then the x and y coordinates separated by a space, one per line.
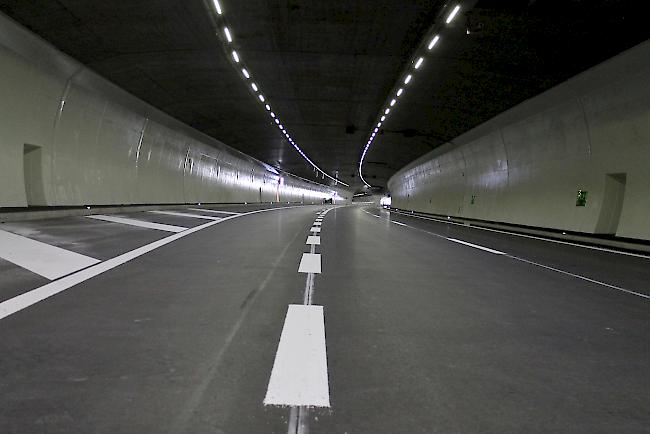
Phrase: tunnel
pixel 346 216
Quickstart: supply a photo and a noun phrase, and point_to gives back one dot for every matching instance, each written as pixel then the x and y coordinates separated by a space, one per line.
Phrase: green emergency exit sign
pixel 581 199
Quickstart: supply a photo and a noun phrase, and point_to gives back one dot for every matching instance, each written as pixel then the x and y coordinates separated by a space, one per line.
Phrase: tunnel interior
pixel 222 216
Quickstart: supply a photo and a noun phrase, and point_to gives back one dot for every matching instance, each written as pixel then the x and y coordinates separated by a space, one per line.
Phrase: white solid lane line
pixel 214 211
pixel 315 229
pixel 310 263
pixel 299 375
pixel 138 223
pixel 515 234
pixel 313 240
pixel 577 276
pixel 48 261
pixel 371 214
pixel 184 214
pixel 476 246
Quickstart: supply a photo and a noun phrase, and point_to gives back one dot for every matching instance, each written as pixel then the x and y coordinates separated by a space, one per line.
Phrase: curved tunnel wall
pixel 69 137
pixel 526 166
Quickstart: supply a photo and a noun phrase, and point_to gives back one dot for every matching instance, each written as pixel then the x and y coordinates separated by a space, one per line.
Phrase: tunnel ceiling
pixel 329 66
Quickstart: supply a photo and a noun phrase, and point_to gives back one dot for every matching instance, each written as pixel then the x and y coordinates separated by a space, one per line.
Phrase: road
pixel 191 322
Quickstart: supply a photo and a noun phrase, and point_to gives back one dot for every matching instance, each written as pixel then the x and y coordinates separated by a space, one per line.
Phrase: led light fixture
pixel 228 33
pixel 433 42
pixel 452 14
pixel 416 66
pixel 217 6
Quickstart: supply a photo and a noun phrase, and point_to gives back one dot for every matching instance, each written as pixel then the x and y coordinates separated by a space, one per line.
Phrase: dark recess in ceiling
pixel 328 66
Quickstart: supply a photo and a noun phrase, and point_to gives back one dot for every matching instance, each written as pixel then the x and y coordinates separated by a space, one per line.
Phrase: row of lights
pixel 247 76
pixel 417 64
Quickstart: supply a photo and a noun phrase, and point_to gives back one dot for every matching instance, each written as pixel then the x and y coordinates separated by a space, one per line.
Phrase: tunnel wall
pixel 69 137
pixel 526 166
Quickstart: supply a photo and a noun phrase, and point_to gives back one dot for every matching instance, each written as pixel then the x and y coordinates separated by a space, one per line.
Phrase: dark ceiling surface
pixel 327 67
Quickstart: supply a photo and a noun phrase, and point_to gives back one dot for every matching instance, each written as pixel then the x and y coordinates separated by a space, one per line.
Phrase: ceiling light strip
pixel 412 69
pixel 228 35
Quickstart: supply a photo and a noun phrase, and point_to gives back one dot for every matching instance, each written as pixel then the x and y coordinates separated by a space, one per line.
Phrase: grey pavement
pixel 423 334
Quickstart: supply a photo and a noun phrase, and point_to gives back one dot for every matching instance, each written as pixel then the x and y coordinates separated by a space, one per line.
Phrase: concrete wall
pixel 69 137
pixel 526 165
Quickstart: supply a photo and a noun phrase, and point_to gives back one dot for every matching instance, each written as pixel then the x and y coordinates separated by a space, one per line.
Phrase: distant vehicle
pixel 328 201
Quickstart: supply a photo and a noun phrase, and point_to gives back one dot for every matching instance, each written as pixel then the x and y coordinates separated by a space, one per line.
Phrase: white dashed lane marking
pixel 314 240
pixel 299 375
pixel 310 263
